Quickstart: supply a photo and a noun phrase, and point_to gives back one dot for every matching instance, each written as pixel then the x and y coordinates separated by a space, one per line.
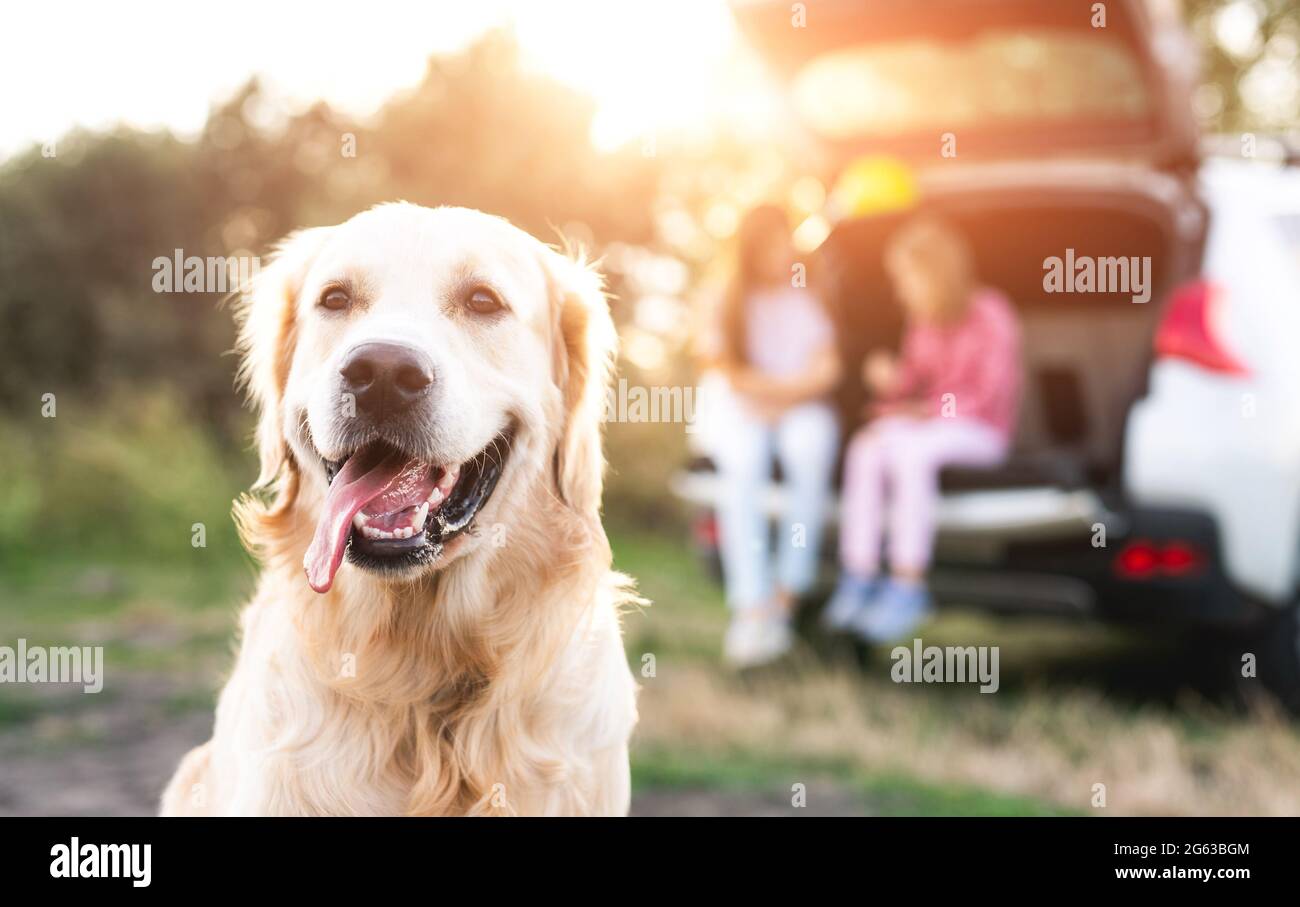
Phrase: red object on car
pixel 1188 330
pixel 1137 560
pixel 1145 559
pixel 705 530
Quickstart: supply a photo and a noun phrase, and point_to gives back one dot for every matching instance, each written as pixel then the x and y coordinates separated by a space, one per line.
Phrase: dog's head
pixel 416 370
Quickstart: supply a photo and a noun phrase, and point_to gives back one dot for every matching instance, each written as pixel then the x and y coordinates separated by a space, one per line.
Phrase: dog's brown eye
pixel 335 299
pixel 484 301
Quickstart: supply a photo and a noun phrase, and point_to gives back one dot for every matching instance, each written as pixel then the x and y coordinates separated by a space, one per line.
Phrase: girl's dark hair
pixel 756 226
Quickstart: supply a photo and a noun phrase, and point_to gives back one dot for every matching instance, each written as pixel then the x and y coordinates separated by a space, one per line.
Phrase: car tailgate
pixel 991 78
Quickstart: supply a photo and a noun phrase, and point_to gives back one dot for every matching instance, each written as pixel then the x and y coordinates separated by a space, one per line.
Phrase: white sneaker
pixel 756 639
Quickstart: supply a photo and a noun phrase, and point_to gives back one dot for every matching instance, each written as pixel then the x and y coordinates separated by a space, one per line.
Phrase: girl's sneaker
pixel 756 639
pixel 895 612
pixel 850 597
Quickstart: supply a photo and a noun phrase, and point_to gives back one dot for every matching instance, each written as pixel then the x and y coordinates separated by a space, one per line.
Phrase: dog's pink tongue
pixel 361 480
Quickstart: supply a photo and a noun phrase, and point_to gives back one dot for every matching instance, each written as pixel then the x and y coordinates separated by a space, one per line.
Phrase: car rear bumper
pixel 1115 577
pixel 1065 552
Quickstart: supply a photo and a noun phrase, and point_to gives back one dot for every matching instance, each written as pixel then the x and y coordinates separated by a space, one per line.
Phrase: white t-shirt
pixel 784 329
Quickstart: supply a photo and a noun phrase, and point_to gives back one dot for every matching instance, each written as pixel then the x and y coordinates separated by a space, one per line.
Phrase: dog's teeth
pixel 370 532
pixel 421 514
pixel 448 480
pixel 360 520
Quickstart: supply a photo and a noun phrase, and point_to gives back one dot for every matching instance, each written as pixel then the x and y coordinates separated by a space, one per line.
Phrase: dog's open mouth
pixel 388 510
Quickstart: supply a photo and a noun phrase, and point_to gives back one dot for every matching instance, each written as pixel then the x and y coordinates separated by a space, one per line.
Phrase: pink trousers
pixel 891 487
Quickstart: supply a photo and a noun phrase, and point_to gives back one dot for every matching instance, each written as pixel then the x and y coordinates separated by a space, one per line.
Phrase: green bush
pixel 128 479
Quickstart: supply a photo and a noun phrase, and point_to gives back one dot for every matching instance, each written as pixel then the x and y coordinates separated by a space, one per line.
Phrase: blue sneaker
pixel 895 612
pixel 850 597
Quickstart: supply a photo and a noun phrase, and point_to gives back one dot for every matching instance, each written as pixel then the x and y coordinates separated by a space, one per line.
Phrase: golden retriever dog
pixel 436 628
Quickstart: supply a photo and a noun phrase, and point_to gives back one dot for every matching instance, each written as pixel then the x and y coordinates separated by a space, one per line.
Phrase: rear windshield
pixel 996 77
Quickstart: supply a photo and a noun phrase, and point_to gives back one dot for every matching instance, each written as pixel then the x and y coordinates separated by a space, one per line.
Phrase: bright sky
pixel 650 64
pixel 653 66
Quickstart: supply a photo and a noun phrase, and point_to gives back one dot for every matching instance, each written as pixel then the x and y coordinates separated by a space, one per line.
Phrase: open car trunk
pixel 1073 135
pixel 1085 354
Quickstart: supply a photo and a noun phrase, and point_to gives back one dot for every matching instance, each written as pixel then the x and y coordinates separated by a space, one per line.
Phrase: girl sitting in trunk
pixel 775 347
pixel 949 399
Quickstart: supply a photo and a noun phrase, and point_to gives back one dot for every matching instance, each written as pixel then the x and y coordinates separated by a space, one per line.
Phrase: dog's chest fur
pixel 378 740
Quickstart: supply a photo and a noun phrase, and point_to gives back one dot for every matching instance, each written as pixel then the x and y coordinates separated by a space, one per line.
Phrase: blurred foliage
pixel 1249 63
pixel 131 477
pixel 79 231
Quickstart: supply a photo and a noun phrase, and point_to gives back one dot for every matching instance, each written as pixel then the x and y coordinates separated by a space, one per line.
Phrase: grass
pixel 1078 706
pixel 888 794
pixel 1060 723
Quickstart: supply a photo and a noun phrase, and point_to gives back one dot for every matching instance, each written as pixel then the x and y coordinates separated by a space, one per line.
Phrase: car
pixel 1155 477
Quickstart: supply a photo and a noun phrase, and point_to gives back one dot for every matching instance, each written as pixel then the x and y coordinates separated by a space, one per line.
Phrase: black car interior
pixel 1086 354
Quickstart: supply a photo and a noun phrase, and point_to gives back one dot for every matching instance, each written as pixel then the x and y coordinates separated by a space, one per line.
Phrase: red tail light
pixel 1145 559
pixel 1188 329
pixel 1180 559
pixel 705 530
pixel 1137 560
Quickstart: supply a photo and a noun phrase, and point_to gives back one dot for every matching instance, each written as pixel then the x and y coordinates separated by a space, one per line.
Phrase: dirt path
pixel 109 757
pixel 112 757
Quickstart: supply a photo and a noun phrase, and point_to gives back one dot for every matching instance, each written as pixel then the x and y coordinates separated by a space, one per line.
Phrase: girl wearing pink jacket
pixel 950 398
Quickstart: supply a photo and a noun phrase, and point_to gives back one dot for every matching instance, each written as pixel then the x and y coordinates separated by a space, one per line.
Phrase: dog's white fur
pixel 495 681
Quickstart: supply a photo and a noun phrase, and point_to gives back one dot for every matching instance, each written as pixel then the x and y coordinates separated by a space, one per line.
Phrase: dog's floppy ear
pixel 267 331
pixel 585 344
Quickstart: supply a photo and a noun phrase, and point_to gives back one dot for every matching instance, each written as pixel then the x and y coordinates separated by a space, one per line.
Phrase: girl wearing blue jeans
pixel 777 353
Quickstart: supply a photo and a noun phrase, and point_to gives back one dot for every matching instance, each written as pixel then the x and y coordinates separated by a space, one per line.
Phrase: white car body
pixel 1225 444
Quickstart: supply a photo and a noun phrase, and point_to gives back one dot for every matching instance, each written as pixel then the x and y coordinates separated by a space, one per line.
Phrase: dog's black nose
pixel 386 378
